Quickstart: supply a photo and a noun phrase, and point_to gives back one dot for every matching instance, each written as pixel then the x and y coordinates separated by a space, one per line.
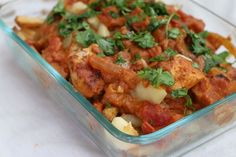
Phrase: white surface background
pixel 31 125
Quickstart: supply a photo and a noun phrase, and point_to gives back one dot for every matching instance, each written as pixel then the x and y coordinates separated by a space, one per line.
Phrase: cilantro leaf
pixel 198 42
pixel 86 38
pixel 189 103
pixel 155 9
pixel 107 45
pixel 143 39
pixel 164 56
pixel 179 93
pixel 120 60
pixel 170 52
pixel 157 77
pixel 173 33
pixel 195 65
pixel 156 23
pixel 159 58
pixel 172 16
pixel 214 60
pixel 58 10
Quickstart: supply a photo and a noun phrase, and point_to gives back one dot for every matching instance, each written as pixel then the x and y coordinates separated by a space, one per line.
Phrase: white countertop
pixel 32 125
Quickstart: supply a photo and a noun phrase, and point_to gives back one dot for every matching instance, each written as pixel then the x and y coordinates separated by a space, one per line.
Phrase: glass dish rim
pixel 143 139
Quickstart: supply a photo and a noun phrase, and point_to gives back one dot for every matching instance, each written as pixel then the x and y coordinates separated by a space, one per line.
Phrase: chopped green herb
pixel 138 3
pixel 120 60
pixel 189 103
pixel 89 13
pixel 107 45
pixel 113 14
pixel 179 93
pixel 173 33
pixel 156 23
pixel 172 16
pixel 195 65
pixel 214 60
pixel 85 38
pixel 164 56
pixel 198 42
pixel 143 39
pixel 137 56
pixel 157 77
pixel 170 52
pixel 58 10
pixel 159 58
pixel 120 4
pixel 101 55
pixel 155 9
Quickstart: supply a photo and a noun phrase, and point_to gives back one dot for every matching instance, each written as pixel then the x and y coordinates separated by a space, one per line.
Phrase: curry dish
pixel 142 64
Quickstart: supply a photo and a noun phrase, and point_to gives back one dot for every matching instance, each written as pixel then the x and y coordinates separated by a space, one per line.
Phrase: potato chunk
pixel 28 22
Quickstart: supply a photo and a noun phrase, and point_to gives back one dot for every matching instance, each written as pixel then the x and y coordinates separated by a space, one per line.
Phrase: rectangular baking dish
pixel 173 140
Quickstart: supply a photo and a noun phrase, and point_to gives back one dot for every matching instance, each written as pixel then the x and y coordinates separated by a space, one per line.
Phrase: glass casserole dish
pixel 170 140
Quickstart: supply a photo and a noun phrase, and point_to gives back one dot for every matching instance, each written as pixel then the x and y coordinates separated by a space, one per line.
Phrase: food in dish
pixel 142 64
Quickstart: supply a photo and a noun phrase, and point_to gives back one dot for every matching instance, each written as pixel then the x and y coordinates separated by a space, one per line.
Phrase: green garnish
pixel 143 39
pixel 179 93
pixel 159 58
pixel 107 45
pixel 170 52
pixel 156 23
pixel 113 14
pixel 155 9
pixel 214 60
pixel 183 92
pixel 101 55
pixel 120 60
pixel 164 56
pixel 58 10
pixel 172 16
pixel 137 56
pixel 86 38
pixel 189 103
pixel 198 42
pixel 195 65
pixel 120 4
pixel 173 33
pixel 157 77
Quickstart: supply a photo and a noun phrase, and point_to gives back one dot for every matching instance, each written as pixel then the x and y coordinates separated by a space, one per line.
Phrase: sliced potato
pixel 150 93
pixel 78 7
pixel 124 126
pixel 94 22
pixel 110 113
pixel 28 22
pixel 103 31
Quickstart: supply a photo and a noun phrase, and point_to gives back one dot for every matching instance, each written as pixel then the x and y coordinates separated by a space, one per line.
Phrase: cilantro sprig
pixel 179 93
pixel 168 53
pixel 214 60
pixel 183 92
pixel 157 77
pixel 120 60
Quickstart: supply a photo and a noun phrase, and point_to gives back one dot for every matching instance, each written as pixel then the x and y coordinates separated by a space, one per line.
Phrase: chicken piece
pixel 185 75
pixel 56 56
pixel 210 90
pixel 115 71
pixel 85 79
